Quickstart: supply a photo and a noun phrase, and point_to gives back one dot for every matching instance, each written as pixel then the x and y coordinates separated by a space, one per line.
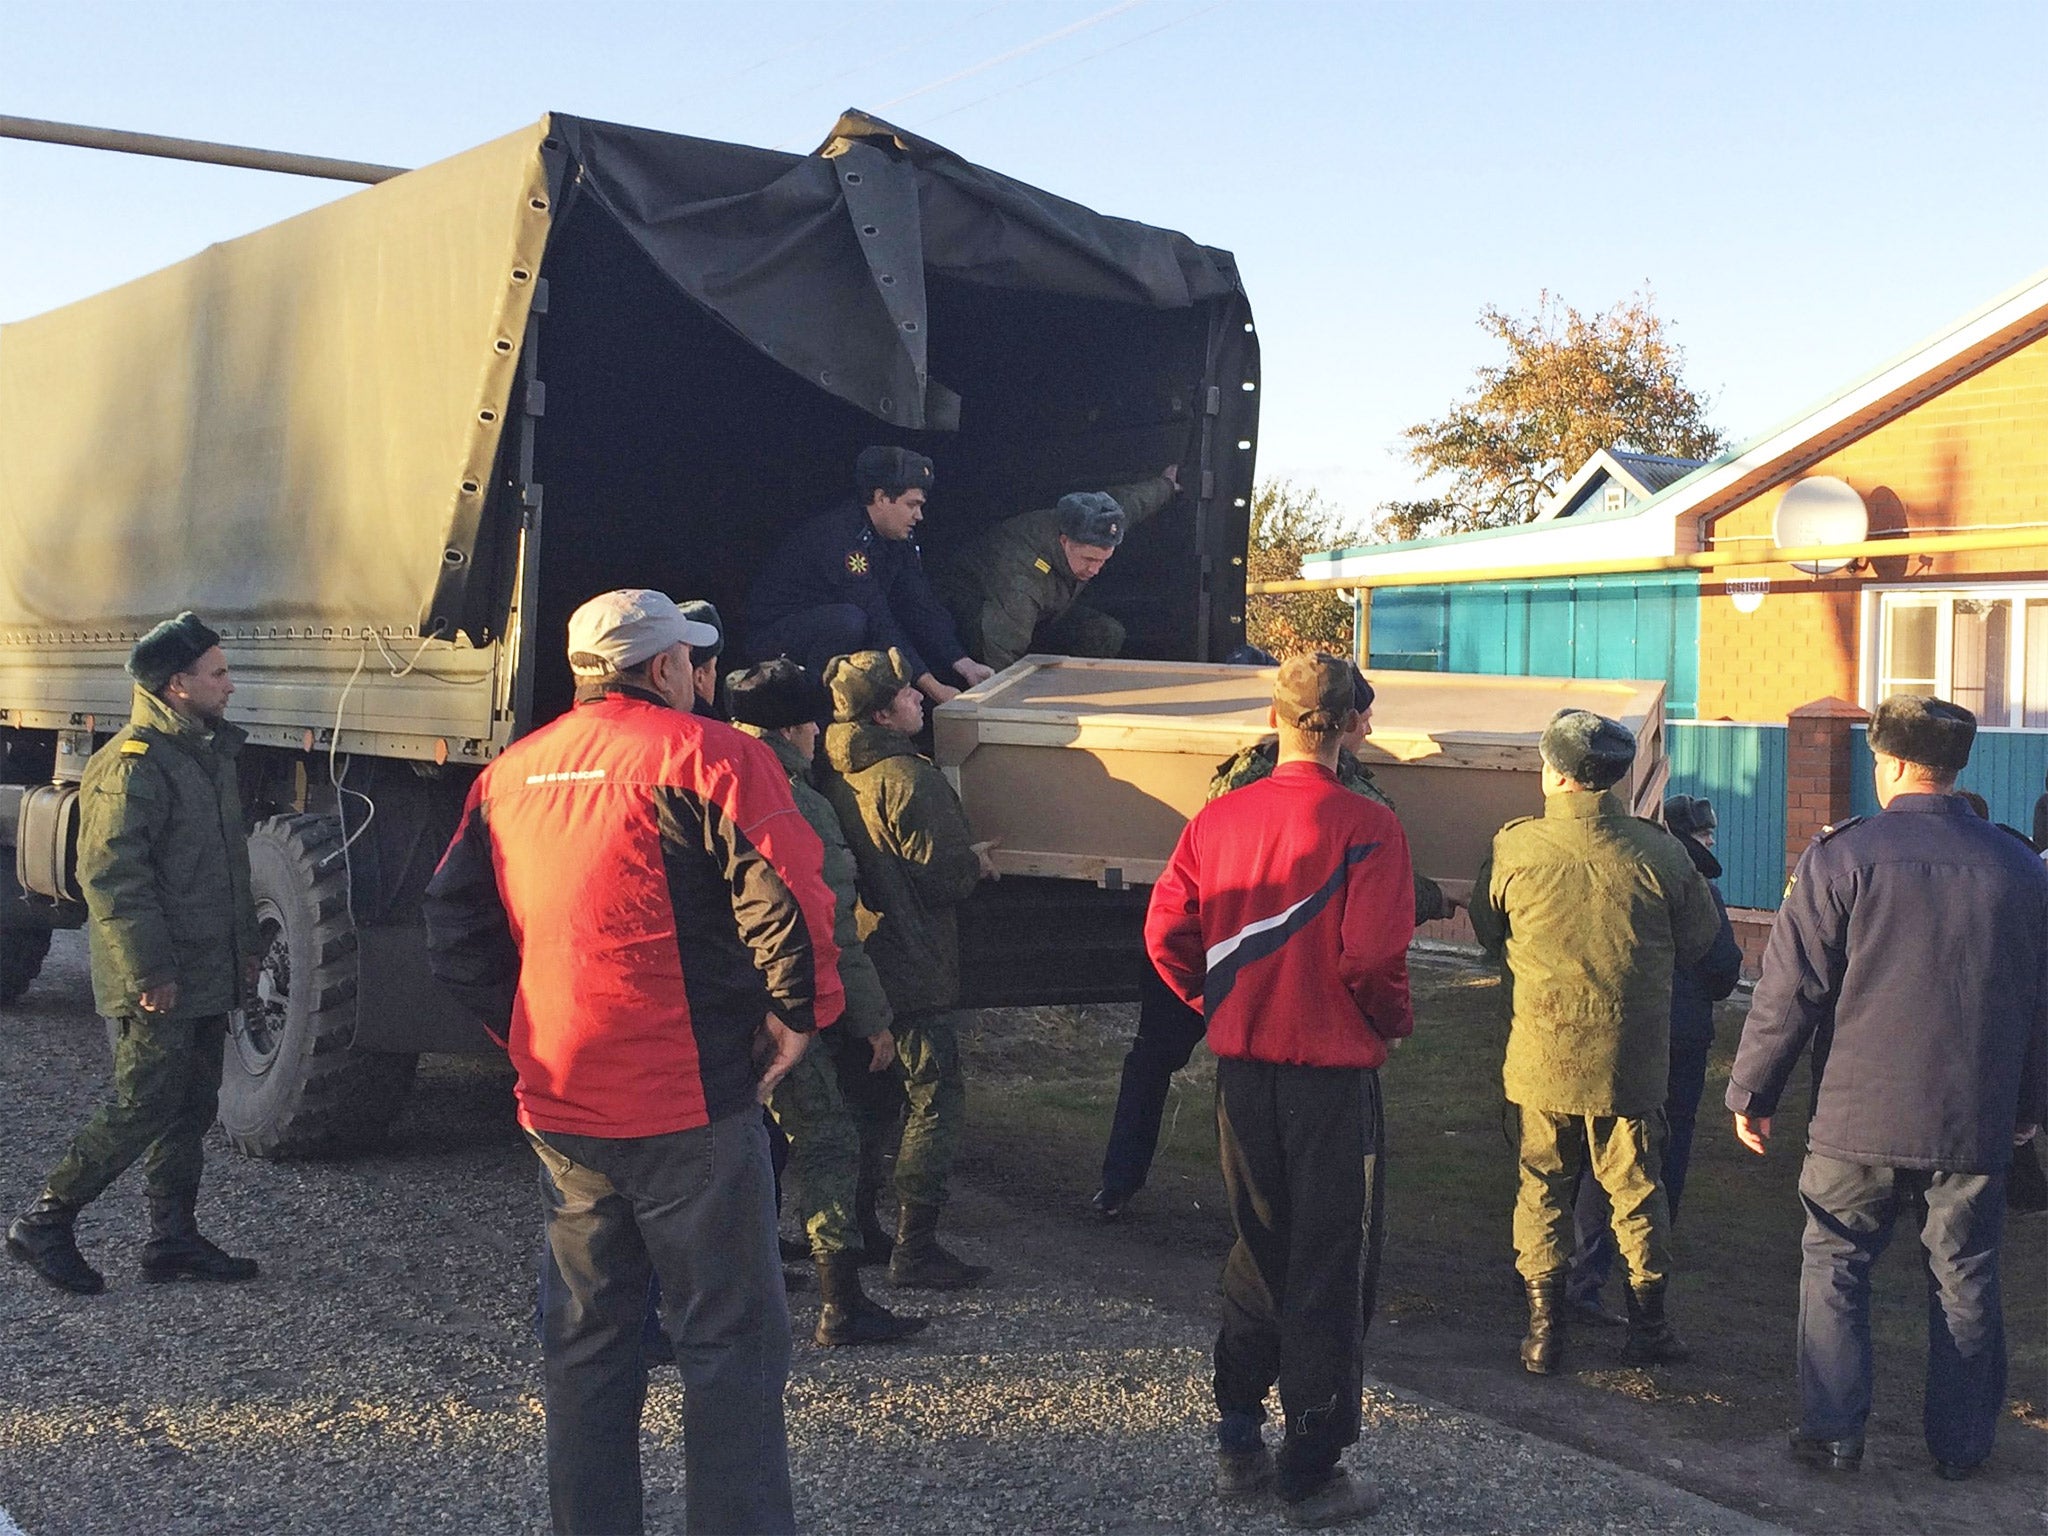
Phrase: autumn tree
pixel 1289 522
pixel 1572 384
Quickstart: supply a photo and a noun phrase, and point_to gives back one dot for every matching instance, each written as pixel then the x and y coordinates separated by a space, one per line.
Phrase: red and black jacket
pixel 631 891
pixel 1284 916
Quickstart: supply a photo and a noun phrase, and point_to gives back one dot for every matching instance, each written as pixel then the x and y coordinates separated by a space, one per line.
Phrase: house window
pixel 1613 499
pixel 1985 648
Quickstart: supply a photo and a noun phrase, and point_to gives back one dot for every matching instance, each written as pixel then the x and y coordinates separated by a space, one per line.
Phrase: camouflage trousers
pixel 928 1047
pixel 166 1093
pixel 824 1151
pixel 1081 631
pixel 1625 1155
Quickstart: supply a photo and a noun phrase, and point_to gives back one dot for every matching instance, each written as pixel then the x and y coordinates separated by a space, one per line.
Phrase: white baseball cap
pixel 624 628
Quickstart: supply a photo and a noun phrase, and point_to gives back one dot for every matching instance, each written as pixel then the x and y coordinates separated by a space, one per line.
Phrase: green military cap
pixel 1588 749
pixel 1918 729
pixel 1092 517
pixel 1315 692
pixel 169 649
pixel 865 682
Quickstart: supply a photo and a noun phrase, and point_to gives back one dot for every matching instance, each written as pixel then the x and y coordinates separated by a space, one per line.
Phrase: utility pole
pixel 81 137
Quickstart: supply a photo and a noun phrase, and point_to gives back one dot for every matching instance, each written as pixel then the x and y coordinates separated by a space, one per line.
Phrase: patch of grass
pixel 1044 1083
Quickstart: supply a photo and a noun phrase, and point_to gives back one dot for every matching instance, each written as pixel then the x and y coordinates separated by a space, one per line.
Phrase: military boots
pixel 176 1251
pixel 1651 1339
pixel 42 1238
pixel 849 1315
pixel 920 1262
pixel 1543 1348
pixel 876 1243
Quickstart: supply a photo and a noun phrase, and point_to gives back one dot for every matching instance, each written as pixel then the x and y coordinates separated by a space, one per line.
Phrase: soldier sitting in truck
pixel 852 579
pixel 1016 588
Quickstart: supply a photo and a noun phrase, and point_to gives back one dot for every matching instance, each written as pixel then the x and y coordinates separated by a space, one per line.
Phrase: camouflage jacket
pixel 916 856
pixel 1014 577
pixel 163 859
pixel 867 1005
pixel 1257 760
pixel 1591 908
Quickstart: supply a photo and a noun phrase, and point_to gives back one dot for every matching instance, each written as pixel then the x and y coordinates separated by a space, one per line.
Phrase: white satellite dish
pixel 1820 509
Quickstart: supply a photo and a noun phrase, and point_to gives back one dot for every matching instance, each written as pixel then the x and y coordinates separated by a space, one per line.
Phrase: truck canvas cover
pixel 303 430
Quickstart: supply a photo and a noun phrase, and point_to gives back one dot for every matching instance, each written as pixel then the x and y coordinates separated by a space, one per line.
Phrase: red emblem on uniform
pixel 856 563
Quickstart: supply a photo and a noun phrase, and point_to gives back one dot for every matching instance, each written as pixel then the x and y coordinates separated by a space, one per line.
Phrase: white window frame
pixel 1942 598
pixel 1613 497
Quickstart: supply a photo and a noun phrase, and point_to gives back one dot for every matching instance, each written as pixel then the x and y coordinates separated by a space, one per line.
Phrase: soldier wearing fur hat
pixel 852 579
pixel 1911 956
pixel 918 861
pixel 1591 908
pixel 780 703
pixel 1016 588
pixel 164 865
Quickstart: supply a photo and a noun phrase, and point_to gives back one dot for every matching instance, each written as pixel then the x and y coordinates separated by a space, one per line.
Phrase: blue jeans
pixel 1168 1032
pixel 696 1207
pixel 1850 1211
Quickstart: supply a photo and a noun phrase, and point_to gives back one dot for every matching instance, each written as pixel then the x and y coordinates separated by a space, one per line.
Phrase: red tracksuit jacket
pixel 1284 916
pixel 631 890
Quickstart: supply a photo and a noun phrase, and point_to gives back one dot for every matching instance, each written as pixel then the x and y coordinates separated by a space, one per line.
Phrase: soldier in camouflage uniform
pixel 917 861
pixel 1016 588
pixel 779 703
pixel 1590 908
pixel 163 859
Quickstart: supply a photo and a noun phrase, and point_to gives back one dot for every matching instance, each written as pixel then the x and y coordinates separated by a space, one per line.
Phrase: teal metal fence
pixel 1740 767
pixel 2006 767
pixel 1643 626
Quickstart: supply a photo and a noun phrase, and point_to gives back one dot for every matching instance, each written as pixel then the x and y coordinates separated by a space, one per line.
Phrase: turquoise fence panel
pixel 2006 767
pixel 1638 626
pixel 1740 767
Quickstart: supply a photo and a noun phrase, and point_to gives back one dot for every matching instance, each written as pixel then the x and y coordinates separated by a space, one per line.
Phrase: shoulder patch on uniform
pixel 856 562
pixel 1042 567
pixel 134 746
pixel 1836 828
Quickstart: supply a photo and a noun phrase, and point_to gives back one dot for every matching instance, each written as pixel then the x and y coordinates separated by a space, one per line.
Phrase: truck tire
pixel 290 1082
pixel 22 952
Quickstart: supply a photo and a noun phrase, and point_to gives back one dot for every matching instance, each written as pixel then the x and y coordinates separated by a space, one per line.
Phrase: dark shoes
pixel 1651 1338
pixel 1243 1474
pixel 849 1315
pixel 1586 1311
pixel 1109 1203
pixel 876 1243
pixel 1543 1345
pixel 1957 1471
pixel 1338 1500
pixel 920 1263
pixel 41 1237
pixel 176 1251
pixel 1827 1455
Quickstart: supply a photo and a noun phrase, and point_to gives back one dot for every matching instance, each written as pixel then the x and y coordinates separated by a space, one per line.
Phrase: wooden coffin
pixel 1088 770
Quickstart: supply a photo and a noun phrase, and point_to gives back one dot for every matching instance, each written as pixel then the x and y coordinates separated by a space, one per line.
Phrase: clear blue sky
pixel 1809 188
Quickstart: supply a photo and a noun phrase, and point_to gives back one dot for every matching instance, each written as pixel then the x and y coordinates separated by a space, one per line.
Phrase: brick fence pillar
pixel 1817 770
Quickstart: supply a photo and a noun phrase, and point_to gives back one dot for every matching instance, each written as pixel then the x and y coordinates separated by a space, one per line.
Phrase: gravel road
pixel 381 1376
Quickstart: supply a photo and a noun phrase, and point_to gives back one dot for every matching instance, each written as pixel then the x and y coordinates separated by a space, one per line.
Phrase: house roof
pixel 1674 519
pixel 1645 474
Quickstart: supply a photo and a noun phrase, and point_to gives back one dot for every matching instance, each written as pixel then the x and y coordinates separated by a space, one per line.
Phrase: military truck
pixel 386 446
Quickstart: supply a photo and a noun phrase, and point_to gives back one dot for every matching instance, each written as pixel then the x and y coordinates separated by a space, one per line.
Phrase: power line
pixel 1070 64
pixel 803 47
pixel 1014 53
pixel 950 25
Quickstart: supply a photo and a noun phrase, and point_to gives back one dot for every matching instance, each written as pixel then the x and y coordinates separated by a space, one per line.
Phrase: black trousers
pixel 1304 1168
pixel 1168 1032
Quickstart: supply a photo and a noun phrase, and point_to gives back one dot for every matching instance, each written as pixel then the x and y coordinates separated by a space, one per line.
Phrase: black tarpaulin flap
pixel 820 260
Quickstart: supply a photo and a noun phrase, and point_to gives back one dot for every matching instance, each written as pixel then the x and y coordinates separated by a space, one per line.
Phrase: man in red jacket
pixel 1284 916
pixel 636 908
